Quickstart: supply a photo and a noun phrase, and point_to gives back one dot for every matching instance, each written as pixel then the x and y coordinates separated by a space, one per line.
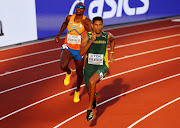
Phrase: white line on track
pixel 32 54
pixel 126 45
pixel 105 30
pixel 135 69
pixel 125 93
pixel 132 125
pixel 156 29
pixel 142 53
pixel 145 41
pixel 22 56
pixel 30 67
pixel 121 58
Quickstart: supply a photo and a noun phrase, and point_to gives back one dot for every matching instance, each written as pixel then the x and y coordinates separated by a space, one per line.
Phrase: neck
pixel 78 17
pixel 98 34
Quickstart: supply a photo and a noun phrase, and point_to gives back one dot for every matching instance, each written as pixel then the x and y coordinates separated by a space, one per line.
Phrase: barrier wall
pixel 36 19
pixel 51 15
pixel 18 21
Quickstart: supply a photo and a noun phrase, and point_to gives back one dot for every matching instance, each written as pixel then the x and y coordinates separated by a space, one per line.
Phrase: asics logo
pixel 116 8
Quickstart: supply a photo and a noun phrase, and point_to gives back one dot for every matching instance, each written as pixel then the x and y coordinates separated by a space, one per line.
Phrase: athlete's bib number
pixel 73 39
pixel 95 59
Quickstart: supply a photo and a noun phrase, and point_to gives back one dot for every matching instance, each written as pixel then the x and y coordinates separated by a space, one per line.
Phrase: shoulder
pixel 89 33
pixel 110 36
pixel 88 20
pixel 68 17
pixel 105 33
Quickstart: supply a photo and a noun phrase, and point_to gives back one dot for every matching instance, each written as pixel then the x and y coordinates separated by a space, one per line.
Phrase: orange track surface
pixel 32 93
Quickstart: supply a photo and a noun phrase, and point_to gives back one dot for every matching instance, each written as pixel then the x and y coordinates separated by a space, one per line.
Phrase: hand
pixel 93 38
pixel 111 58
pixel 57 39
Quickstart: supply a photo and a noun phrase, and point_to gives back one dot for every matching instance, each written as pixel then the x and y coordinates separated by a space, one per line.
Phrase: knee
pixel 92 82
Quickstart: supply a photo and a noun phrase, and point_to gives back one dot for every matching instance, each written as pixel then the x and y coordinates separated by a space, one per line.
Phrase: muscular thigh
pixel 66 56
pixel 94 73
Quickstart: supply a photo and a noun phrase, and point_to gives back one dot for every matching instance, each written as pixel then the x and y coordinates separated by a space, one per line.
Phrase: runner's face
pixel 80 9
pixel 97 26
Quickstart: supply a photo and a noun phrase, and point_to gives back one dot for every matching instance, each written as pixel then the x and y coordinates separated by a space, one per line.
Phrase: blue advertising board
pixel 51 14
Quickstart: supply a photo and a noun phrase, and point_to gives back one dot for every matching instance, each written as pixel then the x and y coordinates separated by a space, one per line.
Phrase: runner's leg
pixel 66 56
pixel 79 70
pixel 92 89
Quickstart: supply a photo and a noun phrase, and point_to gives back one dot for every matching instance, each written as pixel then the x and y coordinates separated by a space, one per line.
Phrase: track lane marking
pixel 121 58
pixel 105 30
pixel 146 31
pixel 125 93
pixel 33 66
pixel 146 116
pixel 125 72
pixel 23 85
pixel 31 54
pixel 150 40
pixel 35 53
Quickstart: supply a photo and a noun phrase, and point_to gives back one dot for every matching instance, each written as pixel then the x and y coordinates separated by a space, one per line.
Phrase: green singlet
pixel 96 57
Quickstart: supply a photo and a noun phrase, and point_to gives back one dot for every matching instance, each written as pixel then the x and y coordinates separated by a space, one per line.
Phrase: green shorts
pixel 89 71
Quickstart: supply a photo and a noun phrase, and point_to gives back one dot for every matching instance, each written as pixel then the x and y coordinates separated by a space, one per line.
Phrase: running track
pixel 141 88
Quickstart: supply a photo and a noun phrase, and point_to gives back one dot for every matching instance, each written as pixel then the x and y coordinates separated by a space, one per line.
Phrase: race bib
pixel 73 39
pixel 95 59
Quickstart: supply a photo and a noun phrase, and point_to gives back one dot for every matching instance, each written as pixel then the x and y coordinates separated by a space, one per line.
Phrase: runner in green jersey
pixel 94 45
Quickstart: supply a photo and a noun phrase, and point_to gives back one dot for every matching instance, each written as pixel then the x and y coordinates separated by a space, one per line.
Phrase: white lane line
pixel 39 42
pixel 125 93
pixel 138 24
pixel 7 73
pixel 30 67
pixel 176 20
pixel 135 69
pixel 32 54
pixel 146 31
pixel 147 52
pixel 20 86
pixel 145 41
pixel 22 56
pixel 132 125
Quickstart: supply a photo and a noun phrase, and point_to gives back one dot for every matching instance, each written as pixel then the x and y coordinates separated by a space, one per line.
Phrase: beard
pixel 98 32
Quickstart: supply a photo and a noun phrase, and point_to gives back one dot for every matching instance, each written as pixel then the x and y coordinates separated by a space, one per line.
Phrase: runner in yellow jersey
pixel 94 45
pixel 76 25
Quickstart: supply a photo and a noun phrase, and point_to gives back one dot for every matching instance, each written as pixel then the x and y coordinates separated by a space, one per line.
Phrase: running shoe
pixel 67 79
pixel 89 115
pixel 76 97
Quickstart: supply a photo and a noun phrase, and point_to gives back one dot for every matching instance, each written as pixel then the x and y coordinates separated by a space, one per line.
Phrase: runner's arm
pixel 111 39
pixel 64 25
pixel 85 44
pixel 88 25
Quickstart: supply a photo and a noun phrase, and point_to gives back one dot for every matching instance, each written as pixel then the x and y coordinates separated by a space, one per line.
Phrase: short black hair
pixel 97 18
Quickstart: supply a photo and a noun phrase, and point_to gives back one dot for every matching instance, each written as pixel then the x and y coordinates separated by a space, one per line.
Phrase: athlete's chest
pixel 74 25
